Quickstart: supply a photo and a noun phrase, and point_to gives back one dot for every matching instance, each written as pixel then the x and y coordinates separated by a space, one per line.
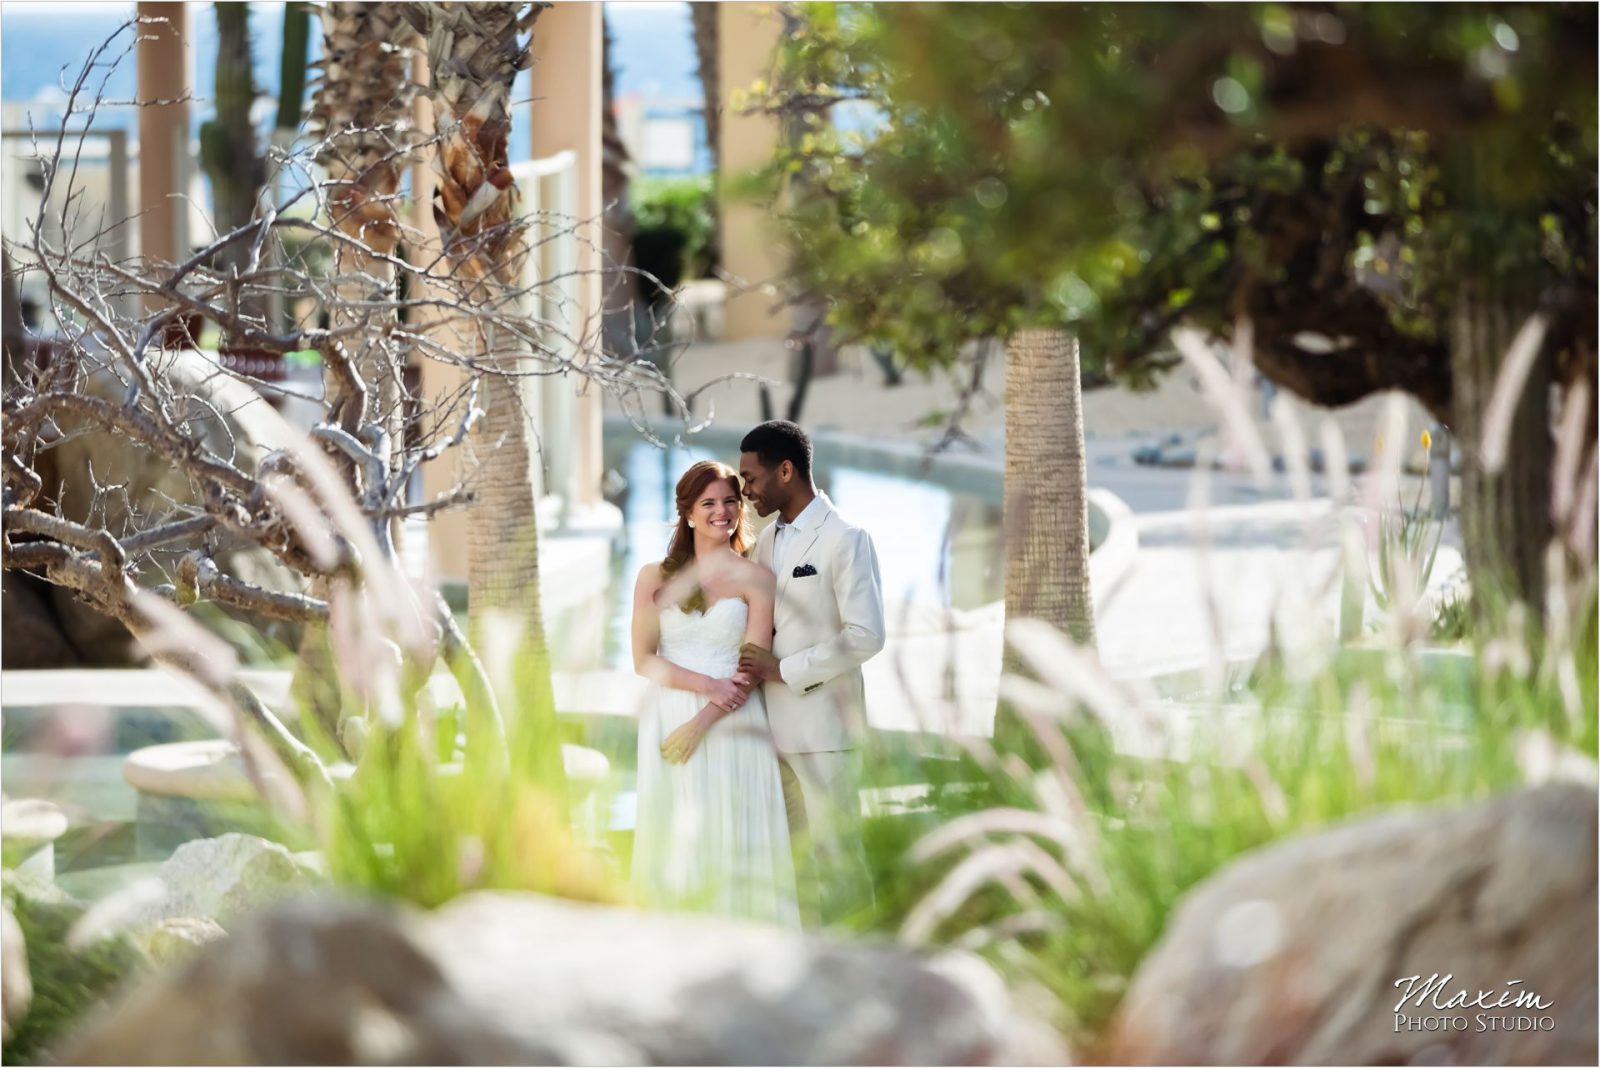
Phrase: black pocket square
pixel 804 571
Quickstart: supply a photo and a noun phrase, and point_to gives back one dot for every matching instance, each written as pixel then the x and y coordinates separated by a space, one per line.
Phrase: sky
pixel 653 51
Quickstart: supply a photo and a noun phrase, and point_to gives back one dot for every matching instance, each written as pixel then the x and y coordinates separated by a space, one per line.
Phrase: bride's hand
pixel 726 693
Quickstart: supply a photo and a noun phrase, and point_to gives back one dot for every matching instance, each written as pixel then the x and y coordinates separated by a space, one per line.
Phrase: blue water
pixel 915 526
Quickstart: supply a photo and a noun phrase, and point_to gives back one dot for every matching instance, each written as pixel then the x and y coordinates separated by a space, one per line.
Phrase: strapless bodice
pixel 707 642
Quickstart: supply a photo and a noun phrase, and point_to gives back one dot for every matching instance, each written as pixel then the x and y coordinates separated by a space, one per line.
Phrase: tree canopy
pixel 1330 172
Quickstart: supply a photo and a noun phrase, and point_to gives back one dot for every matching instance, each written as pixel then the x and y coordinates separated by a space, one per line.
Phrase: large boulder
pixel 308 982
pixel 682 989
pixel 1304 952
pixel 518 978
pixel 232 420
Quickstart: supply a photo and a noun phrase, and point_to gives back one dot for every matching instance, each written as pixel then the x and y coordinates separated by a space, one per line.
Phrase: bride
pixel 711 832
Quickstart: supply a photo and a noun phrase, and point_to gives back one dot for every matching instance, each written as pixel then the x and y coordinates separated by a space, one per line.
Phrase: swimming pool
pixel 938 544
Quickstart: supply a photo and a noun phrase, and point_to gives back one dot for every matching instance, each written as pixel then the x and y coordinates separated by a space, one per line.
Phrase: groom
pixel 828 620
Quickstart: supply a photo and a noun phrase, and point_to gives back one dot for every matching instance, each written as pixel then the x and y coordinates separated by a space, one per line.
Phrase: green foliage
pixel 1408 545
pixel 674 220
pixel 424 819
pixel 1452 619
pixel 1128 821
pixel 67 983
pixel 1116 168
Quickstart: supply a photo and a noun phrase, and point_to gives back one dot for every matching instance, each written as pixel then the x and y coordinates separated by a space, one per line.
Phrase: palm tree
pixel 362 115
pixel 475 51
pixel 1046 484
pixel 707 40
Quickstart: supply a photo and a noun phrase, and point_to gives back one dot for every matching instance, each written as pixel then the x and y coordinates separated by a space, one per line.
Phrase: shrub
pixel 674 219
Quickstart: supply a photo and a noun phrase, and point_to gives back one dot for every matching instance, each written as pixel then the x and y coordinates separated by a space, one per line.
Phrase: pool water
pixel 937 546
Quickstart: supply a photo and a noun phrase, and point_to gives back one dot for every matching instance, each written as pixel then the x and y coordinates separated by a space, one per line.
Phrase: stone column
pixel 747 35
pixel 164 74
pixel 567 95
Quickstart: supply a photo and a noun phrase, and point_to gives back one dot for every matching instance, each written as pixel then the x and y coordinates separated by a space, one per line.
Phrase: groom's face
pixel 764 486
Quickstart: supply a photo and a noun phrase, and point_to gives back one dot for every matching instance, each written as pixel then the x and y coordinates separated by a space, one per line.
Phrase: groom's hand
pixel 759 663
pixel 680 745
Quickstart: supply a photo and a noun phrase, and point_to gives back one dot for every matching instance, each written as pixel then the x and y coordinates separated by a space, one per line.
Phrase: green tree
pixel 1385 192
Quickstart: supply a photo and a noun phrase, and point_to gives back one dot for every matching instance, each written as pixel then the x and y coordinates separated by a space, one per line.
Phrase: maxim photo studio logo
pixel 1439 1003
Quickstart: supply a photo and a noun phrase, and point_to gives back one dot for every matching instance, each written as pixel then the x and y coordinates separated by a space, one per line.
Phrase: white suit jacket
pixel 827 622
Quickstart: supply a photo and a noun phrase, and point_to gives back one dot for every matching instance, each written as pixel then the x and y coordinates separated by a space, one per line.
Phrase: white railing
pixel 549 188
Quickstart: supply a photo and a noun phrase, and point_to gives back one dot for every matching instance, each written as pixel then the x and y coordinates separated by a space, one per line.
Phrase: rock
pixel 16 988
pixel 1300 952
pixel 221 879
pixel 517 978
pixel 308 982
pixel 175 939
pixel 700 990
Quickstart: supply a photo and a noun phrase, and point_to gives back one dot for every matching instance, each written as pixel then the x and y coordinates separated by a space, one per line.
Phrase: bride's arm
pixel 761 595
pixel 647 640
pixel 759 588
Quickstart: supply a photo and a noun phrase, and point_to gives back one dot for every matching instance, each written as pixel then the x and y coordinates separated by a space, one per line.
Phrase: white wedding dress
pixel 711 834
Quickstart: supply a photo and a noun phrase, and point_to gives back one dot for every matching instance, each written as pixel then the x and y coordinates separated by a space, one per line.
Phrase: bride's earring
pixel 691 524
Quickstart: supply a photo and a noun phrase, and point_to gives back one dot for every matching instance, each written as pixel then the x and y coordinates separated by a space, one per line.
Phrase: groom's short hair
pixel 778 440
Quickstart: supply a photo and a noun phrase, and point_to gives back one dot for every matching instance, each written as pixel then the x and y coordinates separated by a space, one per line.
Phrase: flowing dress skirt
pixel 711 834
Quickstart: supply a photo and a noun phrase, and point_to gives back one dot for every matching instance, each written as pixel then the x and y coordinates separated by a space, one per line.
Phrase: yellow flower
pixel 1378 445
pixel 1427 441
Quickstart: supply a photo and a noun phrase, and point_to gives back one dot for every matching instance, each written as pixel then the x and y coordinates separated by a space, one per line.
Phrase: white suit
pixel 827 622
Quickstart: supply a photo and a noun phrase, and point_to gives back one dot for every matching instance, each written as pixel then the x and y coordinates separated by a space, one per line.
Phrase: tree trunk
pixel 707 40
pixel 228 142
pixel 362 112
pixel 474 54
pixel 1505 515
pixel 503 531
pixel 620 287
pixel 1046 515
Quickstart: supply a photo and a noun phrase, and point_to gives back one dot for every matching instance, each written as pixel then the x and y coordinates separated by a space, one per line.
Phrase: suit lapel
pixel 798 549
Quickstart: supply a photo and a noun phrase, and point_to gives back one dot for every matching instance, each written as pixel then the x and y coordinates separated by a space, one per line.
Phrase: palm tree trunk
pixel 362 112
pixel 707 39
pixel 1505 515
pixel 1046 503
pixel 474 53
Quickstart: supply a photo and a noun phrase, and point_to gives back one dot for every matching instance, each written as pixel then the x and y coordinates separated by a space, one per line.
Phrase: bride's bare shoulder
pixel 649 580
pixel 757 576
